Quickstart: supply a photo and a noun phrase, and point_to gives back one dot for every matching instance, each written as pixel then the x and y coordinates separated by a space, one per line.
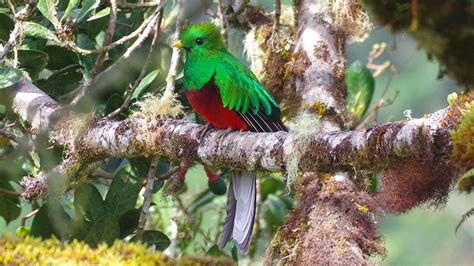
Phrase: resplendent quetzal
pixel 228 96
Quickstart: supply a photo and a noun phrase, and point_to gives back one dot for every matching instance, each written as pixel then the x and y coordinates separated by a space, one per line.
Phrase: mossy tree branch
pixel 374 148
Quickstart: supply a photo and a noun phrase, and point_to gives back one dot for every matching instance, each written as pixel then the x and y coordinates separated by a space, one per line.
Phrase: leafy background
pixel 108 208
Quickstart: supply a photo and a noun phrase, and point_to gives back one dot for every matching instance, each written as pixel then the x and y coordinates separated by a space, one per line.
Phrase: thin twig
pixel 148 61
pixel 377 51
pixel 101 57
pixel 139 5
pixel 277 14
pixel 28 216
pixel 170 79
pixel 381 102
pixel 414 15
pixel 15 57
pixel 11 40
pixel 182 207
pixel 168 174
pixel 10 193
pixel 123 25
pixel 148 24
pixel 120 41
pixel 12 7
pixel 147 198
pixel 222 21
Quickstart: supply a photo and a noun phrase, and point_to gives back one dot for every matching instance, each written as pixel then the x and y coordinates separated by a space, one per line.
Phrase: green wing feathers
pixel 240 89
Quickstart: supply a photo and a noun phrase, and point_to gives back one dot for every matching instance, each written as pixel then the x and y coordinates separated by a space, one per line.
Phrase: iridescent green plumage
pixel 228 96
pixel 238 86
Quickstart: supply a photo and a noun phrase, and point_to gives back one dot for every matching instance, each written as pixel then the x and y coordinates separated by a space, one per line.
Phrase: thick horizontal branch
pixel 373 148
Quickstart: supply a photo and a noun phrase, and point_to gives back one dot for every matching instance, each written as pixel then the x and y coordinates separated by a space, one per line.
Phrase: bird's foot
pixel 223 133
pixel 205 130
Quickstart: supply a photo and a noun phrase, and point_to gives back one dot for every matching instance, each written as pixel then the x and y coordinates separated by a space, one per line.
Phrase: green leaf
pixel 141 165
pixel 9 209
pixel 87 8
pixel 123 192
pixel 157 185
pixel 35 30
pixel 464 218
pixel 129 222
pixel 234 253
pixel 88 61
pixel 155 238
pixel 373 182
pixel 5 149
pixel 274 210
pixel 147 80
pixel 60 57
pixel 200 200
pixel 88 202
pixel 3 110
pixel 215 251
pixel 106 229
pixel 62 81
pixel 269 186
pixel 9 77
pixel 51 220
pixel 70 6
pixel 114 102
pixel 104 12
pixel 33 61
pixel 7 26
pixel 47 7
pixel 466 182
pixel 360 89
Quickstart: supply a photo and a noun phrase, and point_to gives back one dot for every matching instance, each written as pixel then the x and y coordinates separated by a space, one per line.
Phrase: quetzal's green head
pixel 201 39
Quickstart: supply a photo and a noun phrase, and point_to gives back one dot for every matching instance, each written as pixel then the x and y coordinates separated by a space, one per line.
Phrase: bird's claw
pixel 205 130
pixel 224 132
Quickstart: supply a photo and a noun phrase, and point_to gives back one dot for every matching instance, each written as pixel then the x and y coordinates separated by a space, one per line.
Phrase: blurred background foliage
pixel 189 220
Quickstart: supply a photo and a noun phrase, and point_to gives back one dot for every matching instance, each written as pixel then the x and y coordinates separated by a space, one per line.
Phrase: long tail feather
pixel 241 209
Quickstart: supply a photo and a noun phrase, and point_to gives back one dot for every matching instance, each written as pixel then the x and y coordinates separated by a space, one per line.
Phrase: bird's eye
pixel 199 41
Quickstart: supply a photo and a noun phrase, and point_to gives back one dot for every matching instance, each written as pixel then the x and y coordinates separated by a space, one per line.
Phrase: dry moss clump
pixel 34 251
pixel 411 183
pixel 349 18
pixel 156 106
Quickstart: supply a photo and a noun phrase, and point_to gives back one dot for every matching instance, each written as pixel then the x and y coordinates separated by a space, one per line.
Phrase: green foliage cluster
pixel 95 220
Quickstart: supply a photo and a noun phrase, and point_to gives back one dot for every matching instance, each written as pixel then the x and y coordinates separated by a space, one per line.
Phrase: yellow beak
pixel 178 44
